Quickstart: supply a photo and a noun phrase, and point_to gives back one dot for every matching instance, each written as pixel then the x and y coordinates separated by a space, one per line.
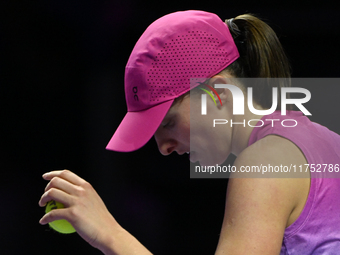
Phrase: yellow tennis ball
pixel 62 226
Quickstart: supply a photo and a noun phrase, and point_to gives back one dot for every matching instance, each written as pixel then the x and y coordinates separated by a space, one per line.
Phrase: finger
pixel 57 195
pixel 66 175
pixel 62 184
pixel 56 214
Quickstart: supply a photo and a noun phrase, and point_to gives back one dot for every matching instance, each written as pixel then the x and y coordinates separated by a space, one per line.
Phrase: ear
pixel 224 94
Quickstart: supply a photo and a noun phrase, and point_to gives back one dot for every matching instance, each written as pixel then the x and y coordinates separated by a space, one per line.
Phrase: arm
pixel 87 213
pixel 259 209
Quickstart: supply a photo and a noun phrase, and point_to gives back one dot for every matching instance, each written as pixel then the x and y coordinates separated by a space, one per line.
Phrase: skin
pixel 184 129
pixel 257 209
pixel 85 210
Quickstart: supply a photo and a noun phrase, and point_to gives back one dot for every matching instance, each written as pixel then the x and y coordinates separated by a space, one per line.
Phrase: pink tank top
pixel 317 229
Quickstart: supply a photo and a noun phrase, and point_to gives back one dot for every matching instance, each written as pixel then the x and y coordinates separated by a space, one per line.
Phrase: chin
pixel 212 161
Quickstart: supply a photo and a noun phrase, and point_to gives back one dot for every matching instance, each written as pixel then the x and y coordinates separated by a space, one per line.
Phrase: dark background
pixel 62 97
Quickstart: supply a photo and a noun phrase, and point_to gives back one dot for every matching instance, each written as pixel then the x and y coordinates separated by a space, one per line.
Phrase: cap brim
pixel 137 128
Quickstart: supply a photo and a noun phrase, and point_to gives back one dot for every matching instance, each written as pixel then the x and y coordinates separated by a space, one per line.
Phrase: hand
pixel 84 209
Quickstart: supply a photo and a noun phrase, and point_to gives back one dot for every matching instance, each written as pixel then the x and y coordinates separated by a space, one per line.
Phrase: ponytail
pixel 261 56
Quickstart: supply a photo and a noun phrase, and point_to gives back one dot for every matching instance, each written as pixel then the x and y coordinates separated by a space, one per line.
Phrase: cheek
pixel 222 134
pixel 212 143
pixel 203 134
pixel 182 132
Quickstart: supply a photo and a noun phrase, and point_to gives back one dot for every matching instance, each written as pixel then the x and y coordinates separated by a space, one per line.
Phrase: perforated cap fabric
pixel 172 50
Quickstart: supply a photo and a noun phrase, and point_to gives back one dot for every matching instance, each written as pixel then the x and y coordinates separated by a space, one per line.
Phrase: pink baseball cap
pixel 172 50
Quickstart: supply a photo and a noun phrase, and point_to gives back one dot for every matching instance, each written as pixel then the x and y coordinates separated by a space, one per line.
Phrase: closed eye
pixel 168 124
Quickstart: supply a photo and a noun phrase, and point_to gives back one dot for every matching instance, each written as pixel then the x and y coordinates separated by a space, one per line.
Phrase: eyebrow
pixel 167 117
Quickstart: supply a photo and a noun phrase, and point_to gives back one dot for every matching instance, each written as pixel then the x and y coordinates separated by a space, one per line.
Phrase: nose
pixel 166 145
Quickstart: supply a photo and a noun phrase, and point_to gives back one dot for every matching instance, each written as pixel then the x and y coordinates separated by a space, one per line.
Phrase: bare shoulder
pixel 259 209
pixel 280 159
pixel 277 152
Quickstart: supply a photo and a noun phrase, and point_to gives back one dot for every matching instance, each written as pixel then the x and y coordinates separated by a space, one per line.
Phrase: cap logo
pixel 135 96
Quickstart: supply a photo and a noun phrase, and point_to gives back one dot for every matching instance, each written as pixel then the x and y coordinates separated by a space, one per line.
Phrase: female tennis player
pixel 262 215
